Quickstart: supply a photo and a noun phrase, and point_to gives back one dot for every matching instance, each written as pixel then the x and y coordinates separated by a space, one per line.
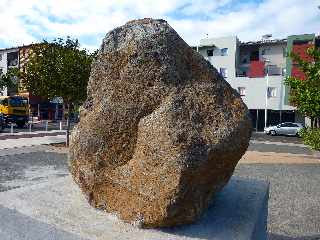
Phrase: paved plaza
pixel 291 168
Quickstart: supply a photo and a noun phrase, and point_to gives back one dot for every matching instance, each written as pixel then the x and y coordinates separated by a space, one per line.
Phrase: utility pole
pixel 266 104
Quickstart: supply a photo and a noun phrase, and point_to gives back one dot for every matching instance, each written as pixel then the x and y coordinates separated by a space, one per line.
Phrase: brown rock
pixel 161 131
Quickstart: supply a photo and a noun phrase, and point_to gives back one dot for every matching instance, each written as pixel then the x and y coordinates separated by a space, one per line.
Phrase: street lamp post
pixel 266 61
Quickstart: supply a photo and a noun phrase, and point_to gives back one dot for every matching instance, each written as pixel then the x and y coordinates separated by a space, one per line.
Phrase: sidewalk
pixel 279 143
pixel 25 139
pixel 4 136
pixel 255 157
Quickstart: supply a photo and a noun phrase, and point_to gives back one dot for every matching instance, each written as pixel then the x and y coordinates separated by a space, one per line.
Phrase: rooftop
pixel 17 47
pixel 264 42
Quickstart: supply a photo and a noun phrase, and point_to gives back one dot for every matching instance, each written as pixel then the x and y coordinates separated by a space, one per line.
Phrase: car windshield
pixel 4 102
pixel 16 102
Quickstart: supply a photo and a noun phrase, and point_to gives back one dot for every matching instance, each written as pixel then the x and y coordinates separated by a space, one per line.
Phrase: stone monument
pixel 161 131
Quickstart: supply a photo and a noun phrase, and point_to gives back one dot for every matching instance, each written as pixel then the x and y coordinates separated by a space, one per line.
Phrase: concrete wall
pixel 256 90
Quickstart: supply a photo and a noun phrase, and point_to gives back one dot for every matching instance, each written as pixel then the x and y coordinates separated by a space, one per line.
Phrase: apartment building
pixel 9 58
pixel 257 71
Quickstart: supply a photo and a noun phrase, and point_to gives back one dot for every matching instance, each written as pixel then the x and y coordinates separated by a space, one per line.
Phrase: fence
pixel 42 126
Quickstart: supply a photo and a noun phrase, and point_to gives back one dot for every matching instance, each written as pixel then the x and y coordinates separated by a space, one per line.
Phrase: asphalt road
pixel 263 147
pixel 279 138
pixel 294 204
pixel 279 144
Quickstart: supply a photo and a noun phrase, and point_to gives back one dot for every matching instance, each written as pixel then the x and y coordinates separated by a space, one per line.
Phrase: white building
pixel 9 57
pixel 257 71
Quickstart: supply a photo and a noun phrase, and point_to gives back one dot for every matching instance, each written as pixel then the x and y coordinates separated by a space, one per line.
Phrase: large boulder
pixel 160 132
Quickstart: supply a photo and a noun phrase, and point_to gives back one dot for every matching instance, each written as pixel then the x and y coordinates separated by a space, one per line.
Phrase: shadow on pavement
pixel 273 236
pixel 17 226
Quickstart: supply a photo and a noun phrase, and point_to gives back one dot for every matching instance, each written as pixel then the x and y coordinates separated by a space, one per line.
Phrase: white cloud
pixel 203 7
pixel 22 22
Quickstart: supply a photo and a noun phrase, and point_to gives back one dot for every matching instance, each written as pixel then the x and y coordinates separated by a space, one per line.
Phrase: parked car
pixel 286 128
pixel 2 122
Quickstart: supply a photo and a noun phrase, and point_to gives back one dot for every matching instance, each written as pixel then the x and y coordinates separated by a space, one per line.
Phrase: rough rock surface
pixel 161 131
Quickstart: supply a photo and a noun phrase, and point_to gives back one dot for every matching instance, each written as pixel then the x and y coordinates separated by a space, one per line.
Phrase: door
pixel 292 129
pixel 284 129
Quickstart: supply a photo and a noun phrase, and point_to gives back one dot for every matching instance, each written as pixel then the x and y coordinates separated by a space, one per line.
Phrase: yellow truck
pixel 15 109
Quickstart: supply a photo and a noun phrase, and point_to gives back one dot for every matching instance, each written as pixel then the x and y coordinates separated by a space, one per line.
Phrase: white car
pixel 286 128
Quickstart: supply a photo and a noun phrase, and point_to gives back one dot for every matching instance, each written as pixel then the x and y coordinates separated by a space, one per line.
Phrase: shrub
pixel 311 137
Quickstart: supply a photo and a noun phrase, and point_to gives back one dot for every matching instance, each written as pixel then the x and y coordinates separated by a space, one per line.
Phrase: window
pixel 265 51
pixel 254 56
pixel 273 70
pixel 223 72
pixel 244 60
pixel 4 102
pixel 210 52
pixel 16 102
pixel 242 91
pixel 224 51
pixel 272 92
pixel 12 59
pixel 288 125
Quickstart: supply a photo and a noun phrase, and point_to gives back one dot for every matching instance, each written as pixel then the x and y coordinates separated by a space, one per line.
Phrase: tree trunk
pixel 317 122
pixel 312 121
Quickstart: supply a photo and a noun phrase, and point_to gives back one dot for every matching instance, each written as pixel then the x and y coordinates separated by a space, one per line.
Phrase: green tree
pixel 59 69
pixel 305 94
pixel 9 80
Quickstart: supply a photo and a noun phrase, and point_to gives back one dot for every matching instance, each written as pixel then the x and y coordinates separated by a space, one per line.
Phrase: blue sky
pixel 27 21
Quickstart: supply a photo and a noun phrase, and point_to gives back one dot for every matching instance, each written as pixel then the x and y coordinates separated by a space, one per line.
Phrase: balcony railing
pixel 258 69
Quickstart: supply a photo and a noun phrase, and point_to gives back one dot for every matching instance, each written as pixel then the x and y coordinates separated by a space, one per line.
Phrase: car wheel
pixel 273 133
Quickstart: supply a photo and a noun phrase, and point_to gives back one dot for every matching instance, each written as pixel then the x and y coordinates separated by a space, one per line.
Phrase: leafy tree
pixel 58 69
pixel 305 94
pixel 9 80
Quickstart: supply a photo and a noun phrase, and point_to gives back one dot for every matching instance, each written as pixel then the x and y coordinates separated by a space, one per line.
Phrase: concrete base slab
pixel 59 209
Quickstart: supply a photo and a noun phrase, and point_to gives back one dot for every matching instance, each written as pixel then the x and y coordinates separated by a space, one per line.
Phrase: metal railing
pixel 38 126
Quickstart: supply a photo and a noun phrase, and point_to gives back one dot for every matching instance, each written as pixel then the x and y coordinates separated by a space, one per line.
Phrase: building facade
pixel 257 70
pixel 9 58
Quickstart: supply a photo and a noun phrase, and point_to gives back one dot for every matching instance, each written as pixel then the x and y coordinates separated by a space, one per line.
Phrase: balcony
pixel 258 69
